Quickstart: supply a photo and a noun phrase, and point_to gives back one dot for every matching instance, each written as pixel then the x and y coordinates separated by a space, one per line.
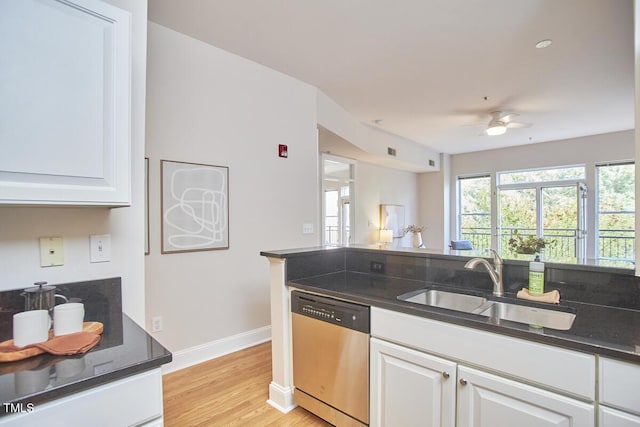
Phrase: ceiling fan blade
pixel 504 116
pixel 515 125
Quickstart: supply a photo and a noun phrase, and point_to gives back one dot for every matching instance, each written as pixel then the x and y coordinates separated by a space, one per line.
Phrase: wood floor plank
pixel 231 390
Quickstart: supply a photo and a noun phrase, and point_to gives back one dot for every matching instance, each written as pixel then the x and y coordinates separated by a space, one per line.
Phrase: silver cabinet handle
pixel 463 381
pixel 445 375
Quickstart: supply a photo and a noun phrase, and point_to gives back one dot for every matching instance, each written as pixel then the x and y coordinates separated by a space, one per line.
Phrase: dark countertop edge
pixel 292 253
pixel 471 321
pixel 429 253
pixel 90 383
pixel 96 380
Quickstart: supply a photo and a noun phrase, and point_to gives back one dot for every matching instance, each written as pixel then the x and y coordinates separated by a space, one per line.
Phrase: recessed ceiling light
pixel 543 43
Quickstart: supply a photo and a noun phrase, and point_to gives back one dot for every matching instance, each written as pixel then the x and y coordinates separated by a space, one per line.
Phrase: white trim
pixel 281 398
pixel 211 350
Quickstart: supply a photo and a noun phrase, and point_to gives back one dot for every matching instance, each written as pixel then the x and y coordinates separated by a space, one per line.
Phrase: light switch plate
pixel 51 251
pixel 307 228
pixel 100 248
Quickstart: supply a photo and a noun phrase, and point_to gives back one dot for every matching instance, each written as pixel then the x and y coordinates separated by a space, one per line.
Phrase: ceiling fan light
pixel 497 129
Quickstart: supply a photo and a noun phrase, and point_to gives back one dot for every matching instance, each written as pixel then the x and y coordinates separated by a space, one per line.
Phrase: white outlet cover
pixel 100 248
pixel 51 251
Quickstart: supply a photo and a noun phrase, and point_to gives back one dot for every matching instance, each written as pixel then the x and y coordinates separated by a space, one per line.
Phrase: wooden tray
pixel 12 356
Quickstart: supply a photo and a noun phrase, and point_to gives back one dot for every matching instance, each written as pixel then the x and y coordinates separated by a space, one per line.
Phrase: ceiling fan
pixel 501 121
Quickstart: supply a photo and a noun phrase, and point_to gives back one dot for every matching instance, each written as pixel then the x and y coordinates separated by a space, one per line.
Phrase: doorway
pixel 338 187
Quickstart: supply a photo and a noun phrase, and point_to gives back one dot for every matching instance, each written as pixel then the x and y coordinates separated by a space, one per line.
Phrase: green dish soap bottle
pixel 536 277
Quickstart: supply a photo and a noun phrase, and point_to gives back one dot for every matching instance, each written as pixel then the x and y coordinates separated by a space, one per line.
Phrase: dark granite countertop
pixel 125 349
pixel 129 351
pixel 610 331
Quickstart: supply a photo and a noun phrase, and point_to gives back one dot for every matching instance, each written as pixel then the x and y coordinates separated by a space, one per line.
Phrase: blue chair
pixel 461 245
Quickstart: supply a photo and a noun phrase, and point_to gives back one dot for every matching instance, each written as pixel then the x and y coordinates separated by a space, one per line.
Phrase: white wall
pixel 20 228
pixel 636 11
pixel 373 142
pixel 434 192
pixel 205 105
pixel 376 185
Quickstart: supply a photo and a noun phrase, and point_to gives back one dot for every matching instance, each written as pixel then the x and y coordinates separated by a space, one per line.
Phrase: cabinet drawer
pixel 619 384
pixel 564 370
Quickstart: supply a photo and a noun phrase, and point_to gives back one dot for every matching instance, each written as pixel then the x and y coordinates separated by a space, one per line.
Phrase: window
pixel 616 212
pixel 474 207
pixel 542 175
pixel 547 203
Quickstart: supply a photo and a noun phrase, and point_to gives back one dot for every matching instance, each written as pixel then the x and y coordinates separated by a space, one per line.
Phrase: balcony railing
pixel 332 235
pixel 613 245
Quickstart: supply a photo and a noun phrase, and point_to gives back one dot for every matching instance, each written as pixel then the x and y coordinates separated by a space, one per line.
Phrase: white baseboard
pixel 201 353
pixel 281 398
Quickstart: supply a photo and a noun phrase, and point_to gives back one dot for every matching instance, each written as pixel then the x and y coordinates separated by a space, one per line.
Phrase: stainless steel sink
pixel 443 299
pixel 496 310
pixel 534 316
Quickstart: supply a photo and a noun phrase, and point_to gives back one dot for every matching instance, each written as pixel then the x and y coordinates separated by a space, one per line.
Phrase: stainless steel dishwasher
pixel 331 358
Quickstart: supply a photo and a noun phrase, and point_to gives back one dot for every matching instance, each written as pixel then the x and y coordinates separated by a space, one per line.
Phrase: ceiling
pixel 433 70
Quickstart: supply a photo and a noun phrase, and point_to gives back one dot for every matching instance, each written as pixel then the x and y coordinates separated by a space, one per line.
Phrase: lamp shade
pixel 386 236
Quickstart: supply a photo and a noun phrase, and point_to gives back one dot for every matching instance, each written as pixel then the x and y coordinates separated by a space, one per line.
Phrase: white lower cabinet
pixel 608 417
pixel 486 400
pixel 411 388
pixel 430 373
pixel 619 398
pixel 132 401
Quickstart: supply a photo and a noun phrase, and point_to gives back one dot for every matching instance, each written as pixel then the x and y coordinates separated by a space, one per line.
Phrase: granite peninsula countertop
pixel 605 330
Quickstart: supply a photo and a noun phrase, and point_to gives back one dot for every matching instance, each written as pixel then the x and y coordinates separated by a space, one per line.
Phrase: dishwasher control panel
pixel 342 313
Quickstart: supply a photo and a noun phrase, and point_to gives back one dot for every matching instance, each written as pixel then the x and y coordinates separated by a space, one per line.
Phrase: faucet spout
pixel 495 271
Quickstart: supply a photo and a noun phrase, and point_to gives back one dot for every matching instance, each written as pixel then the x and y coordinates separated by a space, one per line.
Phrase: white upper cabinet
pixel 65 71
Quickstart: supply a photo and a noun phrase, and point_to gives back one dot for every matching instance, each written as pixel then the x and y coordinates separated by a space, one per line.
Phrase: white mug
pixel 68 318
pixel 30 327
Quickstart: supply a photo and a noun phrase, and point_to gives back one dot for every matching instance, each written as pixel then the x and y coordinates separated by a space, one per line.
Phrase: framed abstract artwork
pixel 194 206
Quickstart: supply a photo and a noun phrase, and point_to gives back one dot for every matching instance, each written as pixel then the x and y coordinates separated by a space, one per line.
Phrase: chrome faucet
pixel 495 271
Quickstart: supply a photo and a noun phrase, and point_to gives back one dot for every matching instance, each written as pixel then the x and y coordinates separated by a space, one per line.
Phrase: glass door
pixel 338 184
pixel 563 220
pixel 552 211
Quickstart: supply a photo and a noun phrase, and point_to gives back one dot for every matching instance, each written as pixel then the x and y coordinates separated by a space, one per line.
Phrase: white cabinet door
pixel 619 384
pixel 490 401
pixel 608 417
pixel 64 103
pixel 410 388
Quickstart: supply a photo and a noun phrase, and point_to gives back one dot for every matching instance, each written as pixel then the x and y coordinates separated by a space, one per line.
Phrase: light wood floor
pixel 228 391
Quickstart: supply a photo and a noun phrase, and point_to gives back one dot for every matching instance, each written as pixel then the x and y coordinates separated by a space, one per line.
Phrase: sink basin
pixel 443 299
pixel 531 315
pixel 496 310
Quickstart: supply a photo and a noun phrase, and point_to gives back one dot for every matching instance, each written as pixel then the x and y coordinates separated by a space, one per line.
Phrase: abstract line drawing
pixel 195 208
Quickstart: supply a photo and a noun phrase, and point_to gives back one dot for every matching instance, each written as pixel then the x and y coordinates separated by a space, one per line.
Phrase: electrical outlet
pixel 51 251
pixel 156 324
pixel 377 267
pixel 100 248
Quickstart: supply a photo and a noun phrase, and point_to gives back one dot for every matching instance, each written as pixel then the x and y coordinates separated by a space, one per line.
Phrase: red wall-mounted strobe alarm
pixel 283 151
